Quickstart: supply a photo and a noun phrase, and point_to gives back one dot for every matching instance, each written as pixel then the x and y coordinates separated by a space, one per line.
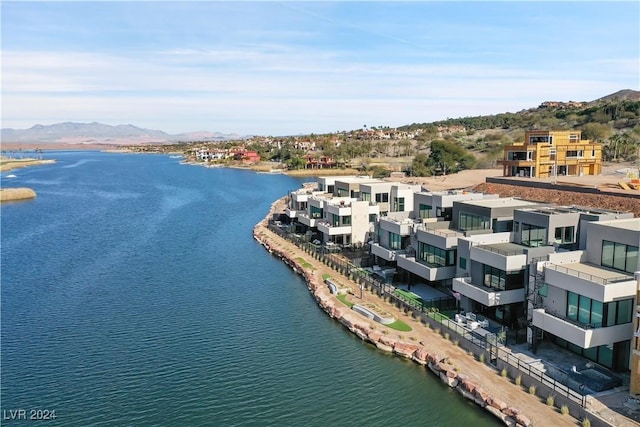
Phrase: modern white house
pixel 587 297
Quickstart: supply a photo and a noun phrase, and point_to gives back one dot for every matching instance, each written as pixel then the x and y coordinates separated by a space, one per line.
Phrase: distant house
pixel 319 162
pixel 545 154
pixel 247 156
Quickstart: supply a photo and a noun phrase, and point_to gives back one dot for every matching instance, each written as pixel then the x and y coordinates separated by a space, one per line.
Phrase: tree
pixel 447 157
pixel 596 132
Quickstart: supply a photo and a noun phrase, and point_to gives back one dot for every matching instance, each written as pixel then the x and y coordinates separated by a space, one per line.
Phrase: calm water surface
pixel 134 294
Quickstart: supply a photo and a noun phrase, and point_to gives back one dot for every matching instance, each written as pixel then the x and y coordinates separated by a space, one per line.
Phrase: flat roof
pixel 500 203
pixel 584 270
pixel 631 224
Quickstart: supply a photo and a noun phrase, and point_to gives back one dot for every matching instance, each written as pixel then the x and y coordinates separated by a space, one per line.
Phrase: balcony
pixel 442 238
pixel 304 218
pixel 503 256
pixel 591 281
pixel 384 253
pixel 399 227
pixel 426 271
pixel 291 213
pixel 331 230
pixel 582 335
pixel 341 209
pixel 486 296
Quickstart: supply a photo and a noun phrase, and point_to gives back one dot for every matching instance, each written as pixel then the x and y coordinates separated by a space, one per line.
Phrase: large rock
pixel 405 349
pixel 420 356
pixel 506 420
pixel 375 337
pixel 523 420
pixel 383 347
pixel 387 341
pixel 511 411
pixel 481 396
pixel 467 385
pixel 497 403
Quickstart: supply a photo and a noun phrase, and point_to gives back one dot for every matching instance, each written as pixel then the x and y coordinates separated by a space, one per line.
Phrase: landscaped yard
pixel 304 263
pixel 343 298
pixel 399 325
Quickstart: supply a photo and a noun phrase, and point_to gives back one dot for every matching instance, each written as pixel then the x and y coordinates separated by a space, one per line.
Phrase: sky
pixel 299 67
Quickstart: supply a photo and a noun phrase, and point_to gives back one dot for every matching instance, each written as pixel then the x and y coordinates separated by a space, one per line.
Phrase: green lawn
pixel 326 276
pixel 399 325
pixel 343 298
pixel 304 263
pixel 409 296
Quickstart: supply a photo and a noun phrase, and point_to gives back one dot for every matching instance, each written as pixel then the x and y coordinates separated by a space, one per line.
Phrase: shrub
pixel 551 400
pixel 564 410
pixel 586 422
pixel 456 342
pixel 519 380
pixel 532 389
pixel 504 373
pixel 437 330
pixel 481 357
pixel 446 335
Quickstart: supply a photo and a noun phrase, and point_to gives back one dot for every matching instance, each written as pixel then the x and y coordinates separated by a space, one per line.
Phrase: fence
pixel 489 342
pixel 542 378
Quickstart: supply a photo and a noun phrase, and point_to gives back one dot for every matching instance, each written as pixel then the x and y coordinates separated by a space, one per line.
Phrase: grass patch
pixel 399 325
pixel 343 298
pixel 304 263
pixel 326 276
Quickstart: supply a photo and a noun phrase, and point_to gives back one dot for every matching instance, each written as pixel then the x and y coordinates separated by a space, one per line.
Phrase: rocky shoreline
pixel 361 327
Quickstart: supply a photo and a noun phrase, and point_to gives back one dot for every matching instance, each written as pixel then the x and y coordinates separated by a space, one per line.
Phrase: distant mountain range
pixel 99 133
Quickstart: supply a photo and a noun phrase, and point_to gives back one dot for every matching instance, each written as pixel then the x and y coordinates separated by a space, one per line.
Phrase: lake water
pixel 133 294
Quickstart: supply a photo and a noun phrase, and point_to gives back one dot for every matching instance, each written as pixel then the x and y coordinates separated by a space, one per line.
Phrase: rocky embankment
pixel 13 194
pixel 417 352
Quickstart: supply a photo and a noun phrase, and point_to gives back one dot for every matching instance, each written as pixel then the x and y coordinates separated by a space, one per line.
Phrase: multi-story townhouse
pixel 491 268
pixel 347 221
pixel 587 297
pixel 545 154
pixel 634 385
pixel 433 255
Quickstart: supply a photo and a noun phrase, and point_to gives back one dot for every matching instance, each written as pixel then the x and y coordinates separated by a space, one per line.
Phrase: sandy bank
pixel 12 194
pixel 10 164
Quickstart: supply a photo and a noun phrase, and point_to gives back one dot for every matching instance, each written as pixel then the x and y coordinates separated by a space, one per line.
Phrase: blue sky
pixel 284 68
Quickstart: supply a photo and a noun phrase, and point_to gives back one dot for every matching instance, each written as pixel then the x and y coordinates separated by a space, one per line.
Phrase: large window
pixel 470 222
pixel 596 314
pixel 533 235
pixel 343 192
pixel 395 241
pixel 398 204
pixel 346 220
pixel 565 234
pixel 435 256
pixel 382 197
pixel 335 220
pixel 316 212
pixel 575 153
pixel 425 211
pixel 495 278
pixel 619 256
pixel 365 196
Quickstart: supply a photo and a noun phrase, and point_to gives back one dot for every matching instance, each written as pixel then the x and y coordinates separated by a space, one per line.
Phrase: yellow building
pixel 546 154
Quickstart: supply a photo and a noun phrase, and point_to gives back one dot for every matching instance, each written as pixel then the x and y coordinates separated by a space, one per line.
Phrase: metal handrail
pixel 587 276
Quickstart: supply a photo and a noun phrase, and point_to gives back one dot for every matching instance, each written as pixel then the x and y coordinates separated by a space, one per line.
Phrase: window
pixel 398 204
pixel 435 256
pixel 382 197
pixel 564 234
pixel 373 217
pixel 574 137
pixel 501 280
pixel 596 314
pixel 534 139
pixel 316 212
pixel 365 196
pixel 470 222
pixel 463 263
pixel 346 220
pixel 619 256
pixel 395 241
pixel 533 235
pixel 575 153
pixel 425 211
pixel 343 192
pixel 335 220
pixel 544 290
